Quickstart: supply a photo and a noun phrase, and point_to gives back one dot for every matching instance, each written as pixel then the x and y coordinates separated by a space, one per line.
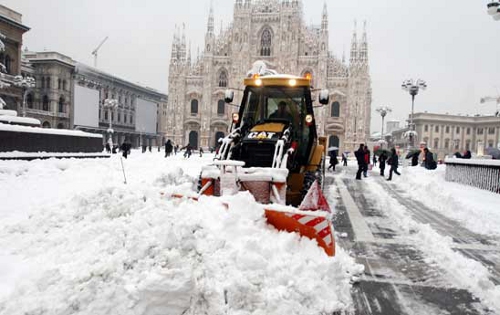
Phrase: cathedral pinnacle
pixel 354 46
pixel 210 28
pixel 324 20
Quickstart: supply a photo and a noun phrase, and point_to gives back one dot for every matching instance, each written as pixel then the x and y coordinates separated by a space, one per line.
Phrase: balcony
pixel 335 124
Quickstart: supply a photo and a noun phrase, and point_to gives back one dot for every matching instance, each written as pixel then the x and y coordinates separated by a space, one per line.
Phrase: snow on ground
pixel 476 209
pixel 430 188
pixel 74 239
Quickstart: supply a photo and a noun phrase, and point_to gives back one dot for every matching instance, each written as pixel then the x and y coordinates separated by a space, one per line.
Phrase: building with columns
pixel 446 134
pixel 273 31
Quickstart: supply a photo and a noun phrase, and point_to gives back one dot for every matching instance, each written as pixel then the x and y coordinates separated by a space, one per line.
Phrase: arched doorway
pixel 193 139
pixel 333 141
pixel 218 135
pixel 46 124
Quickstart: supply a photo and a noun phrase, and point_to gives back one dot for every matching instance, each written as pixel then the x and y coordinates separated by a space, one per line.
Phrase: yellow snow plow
pixel 273 151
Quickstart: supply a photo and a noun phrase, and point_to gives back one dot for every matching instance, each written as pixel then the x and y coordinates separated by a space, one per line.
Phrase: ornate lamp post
pixel 26 84
pixel 494 10
pixel 383 110
pixel 110 104
pixel 412 87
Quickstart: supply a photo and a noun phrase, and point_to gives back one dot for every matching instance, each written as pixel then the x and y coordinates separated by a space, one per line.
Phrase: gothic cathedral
pixel 273 31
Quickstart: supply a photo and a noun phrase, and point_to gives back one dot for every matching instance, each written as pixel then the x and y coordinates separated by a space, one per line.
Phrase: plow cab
pixel 273 151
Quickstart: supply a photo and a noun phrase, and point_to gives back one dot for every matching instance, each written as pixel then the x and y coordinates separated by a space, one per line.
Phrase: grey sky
pixel 453 45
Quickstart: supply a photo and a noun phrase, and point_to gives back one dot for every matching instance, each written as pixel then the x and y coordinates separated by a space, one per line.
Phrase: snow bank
pixel 102 247
pixel 474 208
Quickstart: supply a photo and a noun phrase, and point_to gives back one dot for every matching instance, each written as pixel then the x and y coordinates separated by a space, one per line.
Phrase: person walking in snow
pixel 168 148
pixel 374 160
pixel 188 152
pixel 360 157
pixel 333 160
pixel 367 161
pixel 393 162
pixel 125 148
pixel 201 151
pixel 344 159
pixel 381 162
pixel 429 162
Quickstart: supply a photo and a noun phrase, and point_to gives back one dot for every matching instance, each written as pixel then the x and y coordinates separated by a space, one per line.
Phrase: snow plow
pixel 273 151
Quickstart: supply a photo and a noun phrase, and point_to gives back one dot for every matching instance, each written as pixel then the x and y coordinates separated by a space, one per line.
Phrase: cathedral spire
pixel 210 28
pixel 182 50
pixel 363 49
pixel 354 46
pixel 173 57
pixel 189 54
pixel 324 20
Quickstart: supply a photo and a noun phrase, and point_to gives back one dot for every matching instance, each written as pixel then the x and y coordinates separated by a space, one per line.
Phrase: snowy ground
pixel 74 239
pixel 438 235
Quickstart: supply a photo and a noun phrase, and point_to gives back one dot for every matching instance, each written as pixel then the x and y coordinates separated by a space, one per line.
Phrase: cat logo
pixel 261 135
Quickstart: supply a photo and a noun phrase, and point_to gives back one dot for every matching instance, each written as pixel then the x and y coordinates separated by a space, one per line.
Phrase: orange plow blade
pixel 312 225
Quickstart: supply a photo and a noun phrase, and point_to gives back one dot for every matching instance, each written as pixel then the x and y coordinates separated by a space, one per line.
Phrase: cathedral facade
pixel 273 31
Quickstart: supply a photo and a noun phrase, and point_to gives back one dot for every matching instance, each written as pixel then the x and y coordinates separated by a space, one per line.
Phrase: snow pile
pixel 475 208
pixel 110 248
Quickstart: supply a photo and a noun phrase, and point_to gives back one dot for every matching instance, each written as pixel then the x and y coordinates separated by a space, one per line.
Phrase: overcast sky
pixel 452 44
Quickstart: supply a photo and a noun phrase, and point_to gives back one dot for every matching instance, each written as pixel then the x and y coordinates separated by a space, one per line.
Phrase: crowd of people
pixel 169 147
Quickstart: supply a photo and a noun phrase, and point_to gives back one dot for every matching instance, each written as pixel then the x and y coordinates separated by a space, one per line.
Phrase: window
pixel 60 126
pixel 45 103
pixel 131 119
pixel 447 143
pixel 436 128
pixel 125 118
pixel 106 115
pixel 64 85
pixel 221 105
pixel 47 82
pixel 119 118
pixel 426 128
pixel 43 82
pixel 468 132
pixel 59 84
pixel 491 130
pixel 436 143
pixel 29 100
pixel 467 145
pixel 490 144
pixel 61 105
pixel 112 116
pixel 223 79
pixel 265 43
pixel 447 129
pixel 480 131
pixel 335 109
pixel 457 143
pixel 458 130
pixel 194 107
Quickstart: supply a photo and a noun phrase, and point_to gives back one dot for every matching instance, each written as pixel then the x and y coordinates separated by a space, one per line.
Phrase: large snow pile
pixel 74 239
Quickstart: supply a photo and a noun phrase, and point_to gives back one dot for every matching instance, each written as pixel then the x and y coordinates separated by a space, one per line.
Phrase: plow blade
pixel 311 224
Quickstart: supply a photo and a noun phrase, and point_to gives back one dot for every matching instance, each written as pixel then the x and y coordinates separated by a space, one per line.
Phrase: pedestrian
pixel 467 155
pixel 374 159
pixel 125 148
pixel 150 148
pixel 414 160
pixel 188 152
pixel 108 148
pixel 168 148
pixel 333 160
pixel 201 151
pixel 367 160
pixel 393 162
pixel 144 147
pixel 360 157
pixel 344 159
pixel 381 162
pixel 429 162
pixel 176 148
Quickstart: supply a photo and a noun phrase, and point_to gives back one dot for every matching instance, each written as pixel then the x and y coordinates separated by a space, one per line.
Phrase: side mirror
pixel 324 97
pixel 229 96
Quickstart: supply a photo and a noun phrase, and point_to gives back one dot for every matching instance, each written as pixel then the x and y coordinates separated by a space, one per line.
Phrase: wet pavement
pixel 398 278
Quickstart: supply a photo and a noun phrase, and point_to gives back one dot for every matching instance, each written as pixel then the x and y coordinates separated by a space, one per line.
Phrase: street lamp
pixel 110 104
pixel 383 110
pixel 413 87
pixel 26 84
pixel 494 10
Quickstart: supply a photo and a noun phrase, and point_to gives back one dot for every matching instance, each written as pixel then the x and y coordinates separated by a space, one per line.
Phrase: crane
pixel 492 99
pixel 95 51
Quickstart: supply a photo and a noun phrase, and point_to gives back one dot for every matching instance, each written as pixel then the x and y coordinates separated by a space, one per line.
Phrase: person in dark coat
pixel 344 159
pixel 108 148
pixel 125 148
pixel 201 152
pixel 367 161
pixel 333 160
pixel 168 148
pixel 374 160
pixel 360 157
pixel 381 162
pixel 189 151
pixel 467 155
pixel 414 160
pixel 393 162
pixel 429 162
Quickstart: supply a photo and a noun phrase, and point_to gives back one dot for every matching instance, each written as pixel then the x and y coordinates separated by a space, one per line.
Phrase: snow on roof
pixel 66 132
pixel 19 120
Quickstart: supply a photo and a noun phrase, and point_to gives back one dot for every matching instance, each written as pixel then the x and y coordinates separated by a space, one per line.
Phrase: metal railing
pixel 483 174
